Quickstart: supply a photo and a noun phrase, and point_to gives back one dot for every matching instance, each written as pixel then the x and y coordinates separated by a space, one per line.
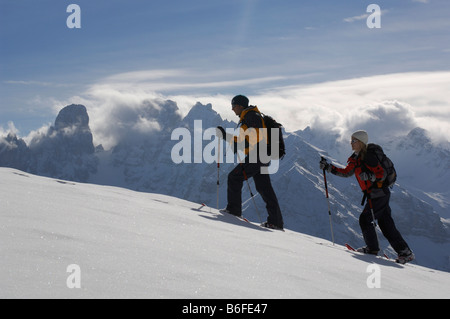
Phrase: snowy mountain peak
pixel 13 151
pixel 74 115
pixel 204 113
pixel 418 136
pixel 64 150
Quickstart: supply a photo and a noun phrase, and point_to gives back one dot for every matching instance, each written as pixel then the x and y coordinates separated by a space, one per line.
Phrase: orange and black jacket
pixel 355 165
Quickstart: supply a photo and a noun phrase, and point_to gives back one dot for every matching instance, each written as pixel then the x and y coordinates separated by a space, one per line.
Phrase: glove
pixel 324 165
pixel 365 176
pixel 220 132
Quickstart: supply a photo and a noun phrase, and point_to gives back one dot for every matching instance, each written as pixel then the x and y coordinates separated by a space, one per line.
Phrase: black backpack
pixel 386 163
pixel 271 123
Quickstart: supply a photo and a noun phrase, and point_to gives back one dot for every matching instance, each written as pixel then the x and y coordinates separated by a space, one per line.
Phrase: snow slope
pixel 139 245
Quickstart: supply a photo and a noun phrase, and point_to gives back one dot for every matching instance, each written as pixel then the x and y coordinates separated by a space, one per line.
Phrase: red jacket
pixel 355 165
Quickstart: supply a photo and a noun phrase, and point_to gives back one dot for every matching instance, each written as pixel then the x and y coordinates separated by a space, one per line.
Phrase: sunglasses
pixel 353 141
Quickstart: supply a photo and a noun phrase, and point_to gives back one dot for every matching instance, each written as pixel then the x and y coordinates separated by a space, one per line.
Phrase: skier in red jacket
pixel 369 174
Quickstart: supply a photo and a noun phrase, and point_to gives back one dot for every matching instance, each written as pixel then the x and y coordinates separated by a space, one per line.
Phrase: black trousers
pixel 263 187
pixel 382 213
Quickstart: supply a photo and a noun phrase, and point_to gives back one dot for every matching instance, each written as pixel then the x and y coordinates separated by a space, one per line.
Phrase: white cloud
pixel 385 105
pixel 116 104
pixel 10 129
pixel 37 83
pixel 356 18
pixel 386 119
pixel 179 80
pixel 121 115
pixel 404 100
pixel 364 16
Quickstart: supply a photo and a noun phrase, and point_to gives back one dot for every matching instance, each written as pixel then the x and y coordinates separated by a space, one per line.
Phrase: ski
pixel 353 249
pixel 401 261
pixel 266 225
pixel 203 205
pixel 238 217
pixel 242 218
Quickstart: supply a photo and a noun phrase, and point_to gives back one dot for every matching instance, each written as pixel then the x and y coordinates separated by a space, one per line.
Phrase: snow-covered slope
pixel 130 244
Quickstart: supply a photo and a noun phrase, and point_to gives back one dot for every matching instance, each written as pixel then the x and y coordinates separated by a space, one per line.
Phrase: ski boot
pixel 405 256
pixel 367 250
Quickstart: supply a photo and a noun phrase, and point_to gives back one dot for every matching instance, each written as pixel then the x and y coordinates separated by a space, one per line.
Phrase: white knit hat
pixel 361 136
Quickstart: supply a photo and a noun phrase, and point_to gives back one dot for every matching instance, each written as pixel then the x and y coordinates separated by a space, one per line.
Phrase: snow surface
pixel 140 245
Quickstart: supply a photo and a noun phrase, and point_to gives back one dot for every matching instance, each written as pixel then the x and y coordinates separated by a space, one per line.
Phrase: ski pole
pixel 328 200
pixel 374 223
pixel 251 194
pixel 218 171
pixel 249 189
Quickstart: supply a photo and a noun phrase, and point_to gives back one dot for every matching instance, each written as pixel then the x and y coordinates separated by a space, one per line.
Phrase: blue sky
pixel 201 49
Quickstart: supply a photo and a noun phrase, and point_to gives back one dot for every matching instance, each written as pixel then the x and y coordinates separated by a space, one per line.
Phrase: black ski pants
pixel 263 185
pixel 382 213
